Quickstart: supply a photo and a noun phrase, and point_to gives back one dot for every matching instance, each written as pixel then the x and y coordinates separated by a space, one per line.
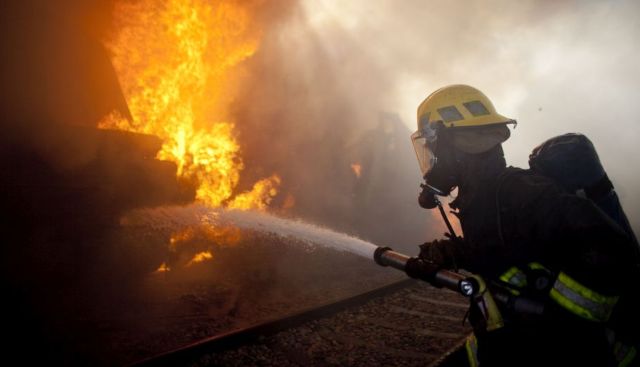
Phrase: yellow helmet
pixel 459 106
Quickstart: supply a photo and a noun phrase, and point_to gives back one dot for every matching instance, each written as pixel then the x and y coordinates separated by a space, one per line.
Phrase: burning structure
pixel 179 64
pixel 110 106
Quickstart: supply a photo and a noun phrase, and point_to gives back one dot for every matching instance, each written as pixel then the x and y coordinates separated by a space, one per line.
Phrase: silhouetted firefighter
pixel 556 262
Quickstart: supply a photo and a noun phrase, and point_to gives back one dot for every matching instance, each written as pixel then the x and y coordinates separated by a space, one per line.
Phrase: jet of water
pixel 171 218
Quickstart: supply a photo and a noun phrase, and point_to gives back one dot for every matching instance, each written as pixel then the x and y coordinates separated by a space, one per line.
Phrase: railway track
pixel 404 323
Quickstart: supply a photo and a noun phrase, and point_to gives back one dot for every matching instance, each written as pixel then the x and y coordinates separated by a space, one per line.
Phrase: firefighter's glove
pixel 422 269
pixel 435 252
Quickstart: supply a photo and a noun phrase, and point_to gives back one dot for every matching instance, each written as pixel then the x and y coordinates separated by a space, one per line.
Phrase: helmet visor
pixel 424 145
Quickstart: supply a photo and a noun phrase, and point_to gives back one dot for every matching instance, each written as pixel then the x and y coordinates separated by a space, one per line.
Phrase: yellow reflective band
pixel 536 266
pixel 472 350
pixel 586 292
pixel 624 354
pixel 514 276
pixel 581 300
pixel 515 292
pixel 487 306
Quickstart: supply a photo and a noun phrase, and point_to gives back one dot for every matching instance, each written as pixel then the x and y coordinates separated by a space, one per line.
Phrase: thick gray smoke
pixel 556 67
pixel 316 118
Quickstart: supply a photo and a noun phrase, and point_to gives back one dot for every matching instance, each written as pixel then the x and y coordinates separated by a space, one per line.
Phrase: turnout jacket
pixel 516 223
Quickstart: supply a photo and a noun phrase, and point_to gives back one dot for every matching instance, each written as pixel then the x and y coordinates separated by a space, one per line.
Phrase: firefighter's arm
pixel 570 233
pixel 591 247
pixel 588 252
pixel 599 277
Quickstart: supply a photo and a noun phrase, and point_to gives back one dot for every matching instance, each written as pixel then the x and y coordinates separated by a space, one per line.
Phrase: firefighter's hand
pixel 438 252
pixel 432 251
pixel 423 269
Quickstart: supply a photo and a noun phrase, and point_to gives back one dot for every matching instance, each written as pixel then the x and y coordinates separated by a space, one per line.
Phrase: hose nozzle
pixel 430 272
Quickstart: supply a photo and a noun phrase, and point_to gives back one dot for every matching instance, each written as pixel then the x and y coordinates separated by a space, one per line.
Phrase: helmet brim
pixel 480 139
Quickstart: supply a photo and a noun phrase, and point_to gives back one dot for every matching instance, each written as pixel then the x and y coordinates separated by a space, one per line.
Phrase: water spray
pixel 415 267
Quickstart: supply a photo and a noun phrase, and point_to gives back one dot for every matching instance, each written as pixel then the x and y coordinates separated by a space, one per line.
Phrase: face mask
pixel 424 143
pixel 433 147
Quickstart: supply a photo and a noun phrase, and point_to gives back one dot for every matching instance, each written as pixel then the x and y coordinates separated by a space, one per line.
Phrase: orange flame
pixel 163 268
pixel 196 242
pixel 357 169
pixel 200 257
pixel 179 65
pixel 259 197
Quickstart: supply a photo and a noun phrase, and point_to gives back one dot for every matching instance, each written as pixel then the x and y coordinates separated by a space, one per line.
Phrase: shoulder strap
pixel 509 172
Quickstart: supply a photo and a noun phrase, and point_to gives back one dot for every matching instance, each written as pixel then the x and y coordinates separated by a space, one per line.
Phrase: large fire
pixel 179 63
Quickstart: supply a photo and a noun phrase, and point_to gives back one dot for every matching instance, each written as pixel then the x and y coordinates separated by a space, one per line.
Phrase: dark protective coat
pixel 511 217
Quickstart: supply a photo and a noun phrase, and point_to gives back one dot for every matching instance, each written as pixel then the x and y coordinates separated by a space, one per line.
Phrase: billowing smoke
pixel 324 76
pixel 315 112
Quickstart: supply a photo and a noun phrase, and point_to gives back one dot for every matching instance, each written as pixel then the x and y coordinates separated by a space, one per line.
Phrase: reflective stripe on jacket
pixel 568 293
pixel 472 350
pixel 624 354
pixel 517 278
pixel 580 300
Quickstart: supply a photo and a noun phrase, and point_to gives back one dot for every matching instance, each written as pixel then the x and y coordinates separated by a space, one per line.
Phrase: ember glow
pixel 200 257
pixel 179 63
pixel 357 169
pixel 194 243
pixel 163 268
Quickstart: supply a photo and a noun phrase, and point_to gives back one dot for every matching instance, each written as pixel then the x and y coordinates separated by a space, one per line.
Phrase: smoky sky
pixel 556 67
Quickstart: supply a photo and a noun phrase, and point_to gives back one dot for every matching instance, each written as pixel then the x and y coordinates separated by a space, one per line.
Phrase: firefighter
pixel 527 238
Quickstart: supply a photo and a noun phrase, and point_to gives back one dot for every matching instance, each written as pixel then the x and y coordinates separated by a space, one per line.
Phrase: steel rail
pixel 233 339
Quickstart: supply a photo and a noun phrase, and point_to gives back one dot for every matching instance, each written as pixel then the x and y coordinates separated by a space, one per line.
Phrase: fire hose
pixel 418 268
pixel 468 286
